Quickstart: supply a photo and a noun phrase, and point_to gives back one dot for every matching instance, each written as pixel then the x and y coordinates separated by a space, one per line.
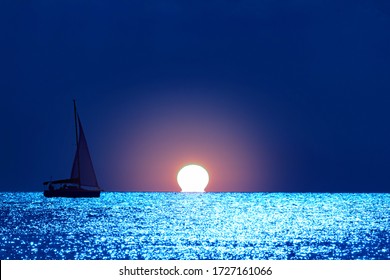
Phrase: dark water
pixel 196 226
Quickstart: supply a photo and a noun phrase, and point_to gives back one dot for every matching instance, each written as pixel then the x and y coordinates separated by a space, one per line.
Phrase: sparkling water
pixel 187 226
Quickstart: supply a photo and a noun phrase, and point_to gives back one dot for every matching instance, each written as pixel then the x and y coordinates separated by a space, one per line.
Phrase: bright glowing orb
pixel 193 178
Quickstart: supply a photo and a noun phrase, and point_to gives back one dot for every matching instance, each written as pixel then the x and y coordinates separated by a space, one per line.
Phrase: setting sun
pixel 193 178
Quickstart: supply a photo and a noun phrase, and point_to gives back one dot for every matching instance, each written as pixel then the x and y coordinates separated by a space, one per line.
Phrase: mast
pixel 77 140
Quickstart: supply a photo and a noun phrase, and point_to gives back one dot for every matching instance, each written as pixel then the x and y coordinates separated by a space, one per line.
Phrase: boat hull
pixel 71 193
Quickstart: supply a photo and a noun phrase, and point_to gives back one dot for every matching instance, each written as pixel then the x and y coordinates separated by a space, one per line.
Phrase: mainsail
pixel 82 169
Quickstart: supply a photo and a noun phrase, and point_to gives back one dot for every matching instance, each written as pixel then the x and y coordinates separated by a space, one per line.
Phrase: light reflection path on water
pixel 196 226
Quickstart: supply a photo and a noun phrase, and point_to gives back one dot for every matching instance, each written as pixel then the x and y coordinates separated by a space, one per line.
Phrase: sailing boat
pixel 82 181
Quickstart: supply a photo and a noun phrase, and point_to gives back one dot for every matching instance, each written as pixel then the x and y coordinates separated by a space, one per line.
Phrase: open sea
pixel 187 226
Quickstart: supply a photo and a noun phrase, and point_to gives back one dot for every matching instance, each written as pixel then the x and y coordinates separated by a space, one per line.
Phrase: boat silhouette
pixel 82 181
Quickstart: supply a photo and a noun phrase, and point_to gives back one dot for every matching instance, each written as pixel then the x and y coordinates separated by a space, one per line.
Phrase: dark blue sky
pixel 268 95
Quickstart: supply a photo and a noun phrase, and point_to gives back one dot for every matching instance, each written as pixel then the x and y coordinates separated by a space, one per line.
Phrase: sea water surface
pixel 184 226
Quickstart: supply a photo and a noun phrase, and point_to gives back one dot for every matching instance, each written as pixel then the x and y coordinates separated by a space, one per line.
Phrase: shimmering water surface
pixel 196 226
